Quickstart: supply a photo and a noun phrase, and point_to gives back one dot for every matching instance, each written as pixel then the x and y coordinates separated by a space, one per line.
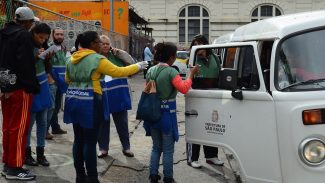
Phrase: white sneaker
pixel 214 161
pixel 195 164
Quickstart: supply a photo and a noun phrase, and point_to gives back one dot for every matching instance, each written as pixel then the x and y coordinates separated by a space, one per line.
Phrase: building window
pixel 193 20
pixel 265 11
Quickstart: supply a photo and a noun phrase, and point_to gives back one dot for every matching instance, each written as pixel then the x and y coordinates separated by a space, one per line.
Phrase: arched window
pixel 265 11
pixel 193 20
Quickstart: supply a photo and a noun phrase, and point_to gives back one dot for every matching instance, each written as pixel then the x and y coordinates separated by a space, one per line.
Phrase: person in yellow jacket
pixel 83 102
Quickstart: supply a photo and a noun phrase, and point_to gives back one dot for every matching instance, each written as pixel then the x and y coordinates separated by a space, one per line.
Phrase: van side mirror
pixel 228 79
pixel 237 94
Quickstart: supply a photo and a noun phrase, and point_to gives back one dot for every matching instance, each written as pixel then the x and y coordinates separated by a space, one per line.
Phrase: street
pixel 120 169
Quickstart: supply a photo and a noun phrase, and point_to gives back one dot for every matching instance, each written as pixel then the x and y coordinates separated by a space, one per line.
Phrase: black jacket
pixel 17 55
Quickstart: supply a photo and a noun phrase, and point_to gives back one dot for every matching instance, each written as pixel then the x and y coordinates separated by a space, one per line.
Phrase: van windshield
pixel 301 62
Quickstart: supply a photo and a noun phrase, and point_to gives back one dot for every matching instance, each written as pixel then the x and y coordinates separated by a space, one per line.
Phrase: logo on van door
pixel 214 127
pixel 215 116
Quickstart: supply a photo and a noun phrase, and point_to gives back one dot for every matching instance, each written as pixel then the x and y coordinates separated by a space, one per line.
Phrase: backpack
pixel 149 107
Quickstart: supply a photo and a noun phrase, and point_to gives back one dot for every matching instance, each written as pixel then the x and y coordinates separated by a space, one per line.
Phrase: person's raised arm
pixel 184 86
pixel 107 68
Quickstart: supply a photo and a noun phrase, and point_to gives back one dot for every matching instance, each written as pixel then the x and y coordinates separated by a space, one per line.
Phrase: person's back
pixel 147 54
pixel 165 130
pixel 17 62
pixel 16 55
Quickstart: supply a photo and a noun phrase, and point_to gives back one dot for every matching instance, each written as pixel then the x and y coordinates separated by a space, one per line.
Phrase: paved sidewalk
pixel 116 168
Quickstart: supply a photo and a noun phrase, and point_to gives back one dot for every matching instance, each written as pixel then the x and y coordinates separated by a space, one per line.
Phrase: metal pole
pixel 9 11
pixel 112 15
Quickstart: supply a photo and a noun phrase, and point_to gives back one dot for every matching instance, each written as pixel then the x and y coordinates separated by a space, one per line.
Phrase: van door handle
pixel 191 113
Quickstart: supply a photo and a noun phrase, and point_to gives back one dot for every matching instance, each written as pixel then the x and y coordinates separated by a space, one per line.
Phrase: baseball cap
pixel 25 13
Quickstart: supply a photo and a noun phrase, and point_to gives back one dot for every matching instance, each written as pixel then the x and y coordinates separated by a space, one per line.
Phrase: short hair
pixel 84 39
pixel 104 37
pixel 56 28
pixel 164 50
pixel 41 28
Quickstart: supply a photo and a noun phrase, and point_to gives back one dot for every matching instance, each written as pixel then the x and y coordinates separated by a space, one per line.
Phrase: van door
pixel 238 114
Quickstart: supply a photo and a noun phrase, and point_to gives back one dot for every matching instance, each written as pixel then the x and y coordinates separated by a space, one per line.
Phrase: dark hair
pixel 201 39
pixel 41 28
pixel 163 51
pixel 84 39
pixel 56 28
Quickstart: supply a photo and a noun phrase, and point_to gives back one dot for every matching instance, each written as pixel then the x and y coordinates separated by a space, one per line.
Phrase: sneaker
pixel 59 131
pixel 102 154
pixel 29 160
pixel 195 164
pixel 19 174
pixel 128 153
pixel 214 161
pixel 169 180
pixel 48 136
pixel 4 170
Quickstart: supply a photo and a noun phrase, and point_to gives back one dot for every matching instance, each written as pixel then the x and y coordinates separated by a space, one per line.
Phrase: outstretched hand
pixel 143 65
pixel 194 70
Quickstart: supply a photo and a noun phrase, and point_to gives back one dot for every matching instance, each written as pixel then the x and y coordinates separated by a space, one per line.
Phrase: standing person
pixel 209 71
pixel 83 103
pixel 41 102
pixel 148 56
pixel 17 59
pixel 119 101
pixel 57 83
pixel 164 133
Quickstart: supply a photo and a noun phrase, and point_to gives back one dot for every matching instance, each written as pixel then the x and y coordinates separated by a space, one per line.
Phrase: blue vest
pixel 79 100
pixel 117 94
pixel 168 120
pixel 42 100
pixel 58 70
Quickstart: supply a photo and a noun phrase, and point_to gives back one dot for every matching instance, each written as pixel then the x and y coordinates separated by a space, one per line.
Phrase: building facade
pixel 179 20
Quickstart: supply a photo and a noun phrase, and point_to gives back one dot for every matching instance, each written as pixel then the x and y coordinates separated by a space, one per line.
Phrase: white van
pixel 268 108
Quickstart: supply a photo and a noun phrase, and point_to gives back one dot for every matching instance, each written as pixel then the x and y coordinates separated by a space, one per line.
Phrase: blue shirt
pixel 147 54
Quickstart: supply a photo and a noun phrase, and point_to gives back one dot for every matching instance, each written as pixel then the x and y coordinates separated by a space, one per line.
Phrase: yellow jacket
pixel 105 67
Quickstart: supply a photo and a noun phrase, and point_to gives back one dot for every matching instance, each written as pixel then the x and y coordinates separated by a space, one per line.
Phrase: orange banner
pixel 99 11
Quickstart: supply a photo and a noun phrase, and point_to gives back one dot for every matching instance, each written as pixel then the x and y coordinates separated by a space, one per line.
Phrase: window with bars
pixel 265 11
pixel 193 20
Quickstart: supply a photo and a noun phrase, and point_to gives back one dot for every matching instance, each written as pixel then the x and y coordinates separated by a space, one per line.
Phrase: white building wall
pixel 225 15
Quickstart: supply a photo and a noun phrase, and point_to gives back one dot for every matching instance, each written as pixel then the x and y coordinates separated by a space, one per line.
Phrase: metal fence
pixel 71 26
pixel 134 43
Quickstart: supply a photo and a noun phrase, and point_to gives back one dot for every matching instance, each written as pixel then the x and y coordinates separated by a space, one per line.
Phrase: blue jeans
pixel 162 143
pixel 41 124
pixel 52 115
pixel 85 140
pixel 53 89
pixel 121 123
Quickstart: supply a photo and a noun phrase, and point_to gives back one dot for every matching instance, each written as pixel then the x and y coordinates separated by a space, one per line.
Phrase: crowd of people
pixel 94 80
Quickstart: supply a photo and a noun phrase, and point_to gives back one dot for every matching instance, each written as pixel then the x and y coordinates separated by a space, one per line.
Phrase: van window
pixel 300 62
pixel 209 68
pixel 229 55
pixel 238 70
pixel 247 71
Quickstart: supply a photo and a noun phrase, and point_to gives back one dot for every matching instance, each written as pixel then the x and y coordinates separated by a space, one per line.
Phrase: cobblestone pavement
pixel 116 168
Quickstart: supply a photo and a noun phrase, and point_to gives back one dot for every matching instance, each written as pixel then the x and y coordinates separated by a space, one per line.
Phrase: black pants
pixel 85 140
pixel 150 64
pixel 193 152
